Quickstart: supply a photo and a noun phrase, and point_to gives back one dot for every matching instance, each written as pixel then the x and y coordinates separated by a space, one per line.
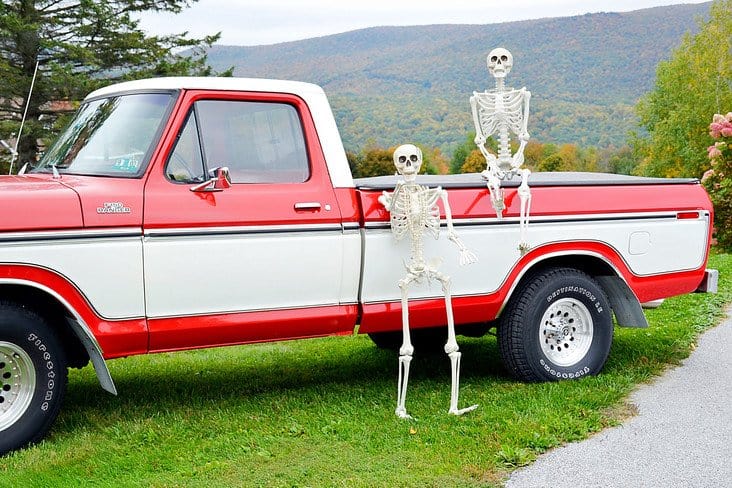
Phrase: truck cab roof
pixel 299 88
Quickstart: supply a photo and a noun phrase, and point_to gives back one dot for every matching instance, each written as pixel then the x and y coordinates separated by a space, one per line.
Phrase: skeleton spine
pixel 504 151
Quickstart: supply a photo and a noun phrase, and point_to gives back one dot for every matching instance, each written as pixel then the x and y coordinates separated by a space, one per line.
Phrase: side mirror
pixel 219 181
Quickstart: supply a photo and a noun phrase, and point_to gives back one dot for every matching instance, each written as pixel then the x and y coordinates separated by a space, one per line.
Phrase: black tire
pixel 33 377
pixel 558 325
pixel 429 340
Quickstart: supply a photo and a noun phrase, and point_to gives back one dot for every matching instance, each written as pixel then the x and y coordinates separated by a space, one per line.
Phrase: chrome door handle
pixel 307 206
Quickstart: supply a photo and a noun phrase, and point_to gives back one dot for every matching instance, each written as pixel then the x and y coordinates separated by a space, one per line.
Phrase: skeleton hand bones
pixel 518 158
pixel 385 199
pixel 466 255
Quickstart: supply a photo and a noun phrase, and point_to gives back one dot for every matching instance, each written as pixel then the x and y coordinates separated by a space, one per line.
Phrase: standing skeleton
pixel 502 111
pixel 414 209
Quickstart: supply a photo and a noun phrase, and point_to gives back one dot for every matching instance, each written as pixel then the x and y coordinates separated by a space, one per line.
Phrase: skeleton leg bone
pixel 452 349
pixel 524 193
pixel 406 351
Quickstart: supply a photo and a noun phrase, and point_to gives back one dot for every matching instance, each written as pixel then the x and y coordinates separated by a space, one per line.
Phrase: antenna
pixel 7 146
pixel 22 122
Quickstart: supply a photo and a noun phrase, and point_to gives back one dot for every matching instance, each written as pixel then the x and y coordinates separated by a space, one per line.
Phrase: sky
pixel 257 22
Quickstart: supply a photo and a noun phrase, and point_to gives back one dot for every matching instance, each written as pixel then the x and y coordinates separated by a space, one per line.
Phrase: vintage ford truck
pixel 182 213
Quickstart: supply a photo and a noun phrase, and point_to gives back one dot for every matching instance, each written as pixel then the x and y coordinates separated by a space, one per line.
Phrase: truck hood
pixel 36 203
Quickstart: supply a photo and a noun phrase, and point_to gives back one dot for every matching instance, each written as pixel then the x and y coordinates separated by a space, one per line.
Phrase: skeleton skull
pixel 500 62
pixel 408 161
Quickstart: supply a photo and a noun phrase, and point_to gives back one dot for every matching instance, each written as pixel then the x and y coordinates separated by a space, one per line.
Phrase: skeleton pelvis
pixel 423 270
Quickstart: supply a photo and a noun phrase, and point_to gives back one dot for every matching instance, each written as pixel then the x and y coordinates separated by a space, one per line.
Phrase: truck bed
pixel 475 180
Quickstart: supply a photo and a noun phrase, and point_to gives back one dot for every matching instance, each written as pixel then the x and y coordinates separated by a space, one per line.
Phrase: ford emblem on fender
pixel 113 208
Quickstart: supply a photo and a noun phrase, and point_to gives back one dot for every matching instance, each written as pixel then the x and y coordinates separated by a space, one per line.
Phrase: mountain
pixel 391 85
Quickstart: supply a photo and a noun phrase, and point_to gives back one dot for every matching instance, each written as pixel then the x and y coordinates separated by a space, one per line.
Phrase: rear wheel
pixel 32 377
pixel 558 325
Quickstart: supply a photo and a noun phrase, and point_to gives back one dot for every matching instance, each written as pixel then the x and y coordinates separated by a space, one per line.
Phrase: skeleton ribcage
pixel 495 110
pixel 414 209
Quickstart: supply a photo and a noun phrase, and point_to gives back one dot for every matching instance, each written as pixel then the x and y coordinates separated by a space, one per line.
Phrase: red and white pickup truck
pixel 131 236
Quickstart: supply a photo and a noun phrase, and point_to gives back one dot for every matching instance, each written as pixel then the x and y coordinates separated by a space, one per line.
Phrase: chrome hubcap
pixel 566 332
pixel 17 383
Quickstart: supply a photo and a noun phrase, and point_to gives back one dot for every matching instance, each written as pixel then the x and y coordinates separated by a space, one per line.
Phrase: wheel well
pixel 592 265
pixel 55 314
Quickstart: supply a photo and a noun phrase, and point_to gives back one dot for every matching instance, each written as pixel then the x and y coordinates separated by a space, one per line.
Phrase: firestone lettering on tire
pixel 565 376
pixel 50 382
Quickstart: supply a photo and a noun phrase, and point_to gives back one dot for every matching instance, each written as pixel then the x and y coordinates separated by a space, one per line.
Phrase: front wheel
pixel 558 325
pixel 33 377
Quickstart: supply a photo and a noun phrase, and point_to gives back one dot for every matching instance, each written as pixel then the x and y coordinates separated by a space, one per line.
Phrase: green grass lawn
pixel 321 412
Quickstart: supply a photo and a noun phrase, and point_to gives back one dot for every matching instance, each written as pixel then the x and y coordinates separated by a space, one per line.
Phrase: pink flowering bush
pixel 718 180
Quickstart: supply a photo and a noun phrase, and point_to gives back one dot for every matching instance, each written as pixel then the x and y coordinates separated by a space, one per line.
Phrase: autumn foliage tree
pixel 474 162
pixel 80 45
pixel 374 161
pixel 691 86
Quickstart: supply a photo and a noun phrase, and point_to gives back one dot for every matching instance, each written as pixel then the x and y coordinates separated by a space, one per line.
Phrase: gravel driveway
pixel 681 437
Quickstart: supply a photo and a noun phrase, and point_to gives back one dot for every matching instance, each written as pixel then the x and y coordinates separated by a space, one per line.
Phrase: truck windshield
pixel 109 136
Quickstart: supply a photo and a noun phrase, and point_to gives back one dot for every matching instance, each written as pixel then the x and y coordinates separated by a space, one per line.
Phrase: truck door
pixel 258 260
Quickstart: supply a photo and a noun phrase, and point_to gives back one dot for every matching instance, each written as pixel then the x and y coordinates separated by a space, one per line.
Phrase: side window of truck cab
pixel 260 142
pixel 185 164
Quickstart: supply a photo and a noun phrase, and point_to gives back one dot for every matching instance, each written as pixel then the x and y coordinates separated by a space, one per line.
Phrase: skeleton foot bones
pixel 414 210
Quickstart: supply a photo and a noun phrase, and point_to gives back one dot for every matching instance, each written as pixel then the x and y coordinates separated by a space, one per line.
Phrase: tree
pixel 437 161
pixel 533 153
pixel 461 153
pixel 691 86
pixel 80 45
pixel 374 161
pixel 474 163
pixel 465 150
pixel 553 162
pixel 622 161
pixel 570 157
pixel 353 161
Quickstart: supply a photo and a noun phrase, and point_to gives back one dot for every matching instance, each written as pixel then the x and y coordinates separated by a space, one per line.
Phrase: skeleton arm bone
pixel 518 158
pixel 388 199
pixel 479 137
pixel 466 255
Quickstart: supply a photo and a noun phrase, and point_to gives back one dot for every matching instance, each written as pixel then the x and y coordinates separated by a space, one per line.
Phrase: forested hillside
pixel 390 85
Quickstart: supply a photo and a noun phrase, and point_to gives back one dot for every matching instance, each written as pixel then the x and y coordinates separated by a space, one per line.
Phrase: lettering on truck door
pixel 244 263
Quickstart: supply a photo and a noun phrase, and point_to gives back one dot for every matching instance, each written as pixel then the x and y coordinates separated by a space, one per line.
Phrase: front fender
pixel 81 330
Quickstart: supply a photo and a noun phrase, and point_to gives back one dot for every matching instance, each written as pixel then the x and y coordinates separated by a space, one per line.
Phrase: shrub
pixel 718 180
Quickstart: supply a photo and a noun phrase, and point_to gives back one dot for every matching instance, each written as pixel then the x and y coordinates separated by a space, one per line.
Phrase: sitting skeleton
pixel 414 210
pixel 500 112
